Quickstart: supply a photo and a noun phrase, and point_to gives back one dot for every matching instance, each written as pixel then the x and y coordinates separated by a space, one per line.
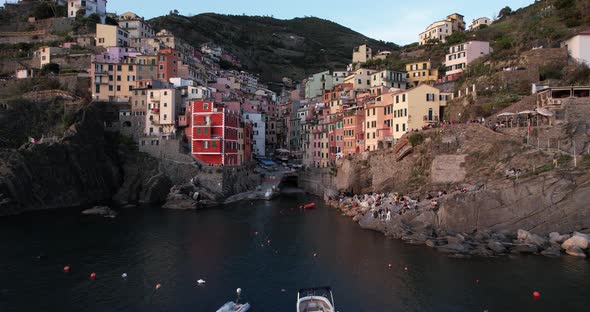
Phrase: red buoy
pixel 536 294
pixel 158 286
pixel 67 268
pixel 92 275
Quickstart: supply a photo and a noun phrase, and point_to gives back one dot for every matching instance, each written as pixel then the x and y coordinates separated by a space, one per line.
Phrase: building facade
pixel 578 47
pixel 88 7
pixel 477 23
pixel 111 36
pixel 440 30
pixel 421 72
pixel 361 54
pixel 417 107
pixel 463 54
pixel 215 135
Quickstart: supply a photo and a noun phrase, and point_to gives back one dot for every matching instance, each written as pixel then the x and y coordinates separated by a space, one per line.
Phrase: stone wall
pixel 317 181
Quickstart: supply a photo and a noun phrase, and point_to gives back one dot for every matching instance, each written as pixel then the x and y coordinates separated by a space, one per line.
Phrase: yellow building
pixel 417 107
pixel 421 72
pixel 116 81
pixel 440 30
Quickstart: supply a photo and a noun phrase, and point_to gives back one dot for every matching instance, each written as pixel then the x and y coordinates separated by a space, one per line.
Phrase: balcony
pixel 155 119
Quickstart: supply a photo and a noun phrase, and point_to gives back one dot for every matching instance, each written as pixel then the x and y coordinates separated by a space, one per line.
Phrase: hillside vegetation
pixel 272 47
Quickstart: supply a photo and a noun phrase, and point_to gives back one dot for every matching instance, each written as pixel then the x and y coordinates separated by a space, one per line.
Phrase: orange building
pixel 168 61
pixel 352 125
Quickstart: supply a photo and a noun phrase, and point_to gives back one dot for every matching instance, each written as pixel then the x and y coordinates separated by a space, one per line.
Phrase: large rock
pixel 554 237
pixel 524 248
pixel 532 239
pixel 578 241
pixel 552 252
pixel 453 248
pixel 575 251
pixel 553 201
pixel 497 247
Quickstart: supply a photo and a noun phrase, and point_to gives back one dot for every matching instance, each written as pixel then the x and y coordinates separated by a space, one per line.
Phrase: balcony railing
pixel 431 118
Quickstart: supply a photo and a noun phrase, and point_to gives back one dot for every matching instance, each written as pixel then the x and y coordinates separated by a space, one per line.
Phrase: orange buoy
pixel 92 275
pixel 308 206
pixel 158 286
pixel 536 294
pixel 67 268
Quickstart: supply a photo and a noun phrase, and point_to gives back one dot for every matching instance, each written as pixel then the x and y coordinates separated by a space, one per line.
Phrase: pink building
pixel 115 55
pixel 463 54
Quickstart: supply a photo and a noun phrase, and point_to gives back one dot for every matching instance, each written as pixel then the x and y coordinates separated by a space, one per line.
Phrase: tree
pixel 50 68
pixel 506 11
pixel 111 21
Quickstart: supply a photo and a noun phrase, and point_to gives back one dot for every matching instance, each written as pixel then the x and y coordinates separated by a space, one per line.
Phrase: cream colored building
pixel 111 36
pixel 361 54
pixel 478 22
pixel 98 7
pixel 162 105
pixel 360 79
pixel 45 53
pixel 135 25
pixel 440 30
pixel 421 72
pixel 417 107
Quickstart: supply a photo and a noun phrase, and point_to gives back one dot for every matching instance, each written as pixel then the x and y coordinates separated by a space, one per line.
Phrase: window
pixel 403 97
pixel 206 131
pixel 118 88
pixel 97 89
pixel 206 107
pixel 214 144
pixel 396 127
pixel 198 131
pixel 205 144
pixel 403 127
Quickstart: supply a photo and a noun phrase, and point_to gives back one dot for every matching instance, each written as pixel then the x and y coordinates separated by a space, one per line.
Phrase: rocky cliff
pixel 76 170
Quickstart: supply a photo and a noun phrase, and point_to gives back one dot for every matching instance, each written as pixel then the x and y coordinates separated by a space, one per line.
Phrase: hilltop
pixel 272 47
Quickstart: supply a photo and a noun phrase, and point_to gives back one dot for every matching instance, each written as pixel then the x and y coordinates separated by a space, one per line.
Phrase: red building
pixel 214 133
pixel 168 60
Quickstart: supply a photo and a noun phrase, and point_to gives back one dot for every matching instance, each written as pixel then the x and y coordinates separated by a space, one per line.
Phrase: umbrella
pixel 526 112
pixel 544 112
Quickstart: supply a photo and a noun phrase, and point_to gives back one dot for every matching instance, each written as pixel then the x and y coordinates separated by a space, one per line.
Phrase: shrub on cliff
pixel 416 139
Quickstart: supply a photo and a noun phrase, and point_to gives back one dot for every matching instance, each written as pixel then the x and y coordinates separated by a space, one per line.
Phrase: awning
pixel 544 112
pixel 506 114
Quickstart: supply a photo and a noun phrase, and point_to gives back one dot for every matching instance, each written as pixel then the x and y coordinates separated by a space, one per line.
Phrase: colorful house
pixel 215 133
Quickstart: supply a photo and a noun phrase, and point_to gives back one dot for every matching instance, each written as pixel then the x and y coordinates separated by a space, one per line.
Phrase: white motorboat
pixel 232 306
pixel 315 300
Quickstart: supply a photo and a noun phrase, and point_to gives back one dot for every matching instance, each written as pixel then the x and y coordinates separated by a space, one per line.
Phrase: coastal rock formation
pixel 77 170
pixel 555 201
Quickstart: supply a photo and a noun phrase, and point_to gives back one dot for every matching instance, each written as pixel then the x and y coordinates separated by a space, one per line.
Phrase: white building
pixel 317 83
pixel 259 134
pixel 361 54
pixel 578 47
pixel 162 105
pixel 360 79
pixel 463 54
pixel 478 22
pixel 135 25
pixel 389 79
pixel 98 7
pixel 440 30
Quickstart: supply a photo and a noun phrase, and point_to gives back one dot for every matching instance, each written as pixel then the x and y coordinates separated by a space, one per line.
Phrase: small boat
pixel 231 306
pixel 315 300
pixel 308 206
pixel 234 307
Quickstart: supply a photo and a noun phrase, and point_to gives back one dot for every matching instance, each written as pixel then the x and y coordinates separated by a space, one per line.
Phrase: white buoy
pixel 201 282
pixel 239 291
pixel 124 275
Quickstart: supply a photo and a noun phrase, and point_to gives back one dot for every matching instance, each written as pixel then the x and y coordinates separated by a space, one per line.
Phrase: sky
pixel 389 20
